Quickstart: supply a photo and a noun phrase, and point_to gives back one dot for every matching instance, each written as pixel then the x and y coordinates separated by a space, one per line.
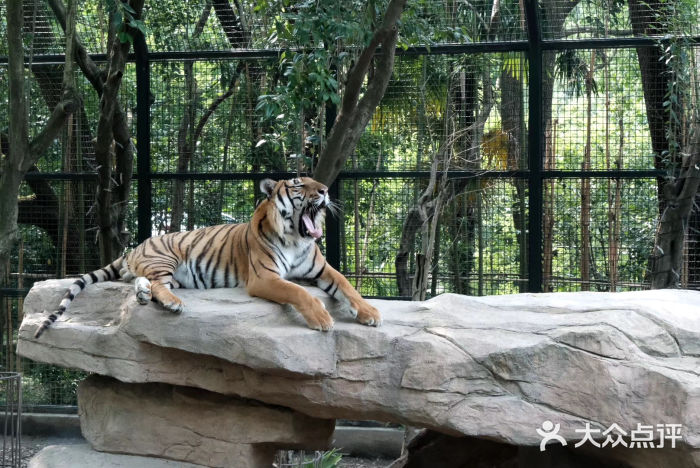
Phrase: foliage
pixel 317 40
pixel 122 16
pixel 573 69
pixel 50 385
pixel 329 459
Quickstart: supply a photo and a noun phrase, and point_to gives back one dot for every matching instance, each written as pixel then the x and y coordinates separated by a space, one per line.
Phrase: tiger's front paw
pixel 175 306
pixel 317 317
pixel 367 314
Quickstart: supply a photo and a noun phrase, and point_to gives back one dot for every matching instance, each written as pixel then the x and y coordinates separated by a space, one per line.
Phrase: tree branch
pixel 215 104
pixel 89 68
pixel 356 76
pixel 354 115
pixel 50 132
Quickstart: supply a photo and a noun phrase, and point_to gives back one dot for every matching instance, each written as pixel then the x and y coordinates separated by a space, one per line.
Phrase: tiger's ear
pixel 267 186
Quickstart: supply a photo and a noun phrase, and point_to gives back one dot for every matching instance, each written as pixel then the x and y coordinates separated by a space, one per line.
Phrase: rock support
pixel 490 367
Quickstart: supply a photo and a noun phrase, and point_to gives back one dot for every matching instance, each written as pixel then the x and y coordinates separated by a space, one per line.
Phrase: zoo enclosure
pixel 511 225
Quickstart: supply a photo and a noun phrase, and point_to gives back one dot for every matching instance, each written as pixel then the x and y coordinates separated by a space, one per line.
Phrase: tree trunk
pixel 648 18
pixel 586 186
pixel 466 149
pixel 184 150
pixel 113 148
pixel 667 259
pixel 23 154
pixel 511 120
pixel 616 215
pixel 653 18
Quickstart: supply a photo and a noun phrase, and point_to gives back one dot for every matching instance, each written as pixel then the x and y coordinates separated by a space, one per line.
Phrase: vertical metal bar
pixel 333 224
pixel 19 419
pixel 143 137
pixel 333 229
pixel 535 147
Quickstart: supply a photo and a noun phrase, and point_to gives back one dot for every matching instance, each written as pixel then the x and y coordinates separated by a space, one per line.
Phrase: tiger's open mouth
pixel 308 225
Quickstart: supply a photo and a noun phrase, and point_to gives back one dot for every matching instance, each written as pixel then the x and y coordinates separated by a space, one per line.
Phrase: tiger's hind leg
pixel 142 287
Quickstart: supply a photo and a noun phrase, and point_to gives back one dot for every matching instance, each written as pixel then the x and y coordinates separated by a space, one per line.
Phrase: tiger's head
pixel 297 205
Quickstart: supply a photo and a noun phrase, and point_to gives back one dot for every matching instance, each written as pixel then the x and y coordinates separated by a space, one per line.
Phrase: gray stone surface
pixel 83 456
pixel 493 367
pixel 191 424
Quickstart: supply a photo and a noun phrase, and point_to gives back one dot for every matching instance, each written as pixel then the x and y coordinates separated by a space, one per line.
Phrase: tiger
pixel 277 245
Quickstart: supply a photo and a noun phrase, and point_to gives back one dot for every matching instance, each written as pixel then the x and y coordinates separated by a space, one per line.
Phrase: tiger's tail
pixel 108 273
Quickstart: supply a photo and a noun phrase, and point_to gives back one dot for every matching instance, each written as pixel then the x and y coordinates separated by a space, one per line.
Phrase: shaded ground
pixel 33 444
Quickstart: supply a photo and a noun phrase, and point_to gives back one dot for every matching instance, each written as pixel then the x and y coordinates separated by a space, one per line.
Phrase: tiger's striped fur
pixel 278 244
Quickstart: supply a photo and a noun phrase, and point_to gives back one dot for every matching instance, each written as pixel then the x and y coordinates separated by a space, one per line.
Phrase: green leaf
pixel 125 37
pixel 117 19
pixel 128 8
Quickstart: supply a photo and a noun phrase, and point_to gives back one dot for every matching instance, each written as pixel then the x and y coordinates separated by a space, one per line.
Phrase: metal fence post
pixel 535 147
pixel 143 137
pixel 333 224
pixel 333 229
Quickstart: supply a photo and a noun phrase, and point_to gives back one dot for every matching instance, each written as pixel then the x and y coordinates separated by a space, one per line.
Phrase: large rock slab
pixel 492 367
pixel 192 425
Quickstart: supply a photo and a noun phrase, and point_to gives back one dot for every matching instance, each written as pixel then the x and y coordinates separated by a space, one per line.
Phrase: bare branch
pixel 216 103
pixel 87 66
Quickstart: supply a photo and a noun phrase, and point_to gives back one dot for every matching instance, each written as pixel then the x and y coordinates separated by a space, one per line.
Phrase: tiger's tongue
pixel 313 230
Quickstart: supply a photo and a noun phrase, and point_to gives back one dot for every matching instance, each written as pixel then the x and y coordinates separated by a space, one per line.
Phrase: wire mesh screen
pixel 206 203
pixel 570 20
pixel 598 233
pixel 216 128
pixel 241 89
pixel 598 117
pixel 476 252
pixel 436 102
pixel 44 386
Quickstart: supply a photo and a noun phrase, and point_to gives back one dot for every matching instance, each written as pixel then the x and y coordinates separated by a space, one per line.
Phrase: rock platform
pixel 491 367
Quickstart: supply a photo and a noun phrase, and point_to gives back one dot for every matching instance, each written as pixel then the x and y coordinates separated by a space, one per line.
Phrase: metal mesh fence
pixel 574 20
pixel 476 251
pixel 621 221
pixel 599 119
pixel 221 117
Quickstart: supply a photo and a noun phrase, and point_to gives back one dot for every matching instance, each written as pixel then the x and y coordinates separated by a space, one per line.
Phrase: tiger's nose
pixel 323 190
